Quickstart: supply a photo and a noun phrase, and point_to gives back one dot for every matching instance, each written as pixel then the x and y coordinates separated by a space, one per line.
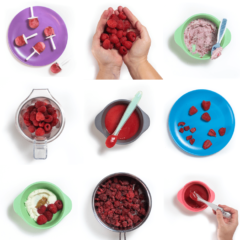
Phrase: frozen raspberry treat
pixel 39 47
pixel 20 41
pixel 216 53
pixel 33 23
pixel 49 31
pixel 203 34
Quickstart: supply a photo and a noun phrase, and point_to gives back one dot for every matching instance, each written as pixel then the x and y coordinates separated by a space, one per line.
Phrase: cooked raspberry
pixel 114 17
pixel 112 23
pixel 122 50
pixel 207 144
pixel 39 104
pixel 119 33
pixel 27 123
pixel 212 133
pixel 49 106
pixel 206 105
pixel 30 108
pixel 106 44
pixel 42 109
pixel 206 117
pixel 127 25
pixel 50 110
pixel 48 215
pixel 41 124
pixel 181 130
pixel 127 44
pixel 35 123
pixel 192 141
pixel 104 36
pixel 113 38
pixel 52 208
pixel 222 131
pixel 124 33
pixel 55 122
pixel 40 132
pixel 26 116
pixel 31 129
pixel 111 46
pixel 117 45
pixel 192 130
pixel 47 127
pixel 192 111
pixel 131 36
pixel 122 16
pixel 189 137
pixel 59 204
pixel 42 209
pixel 41 220
pixel 40 117
pixel 123 39
pixel 181 123
pixel 120 25
pixel 186 128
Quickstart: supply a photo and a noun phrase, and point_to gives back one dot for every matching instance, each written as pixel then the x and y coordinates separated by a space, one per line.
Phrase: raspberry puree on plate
pixel 113 118
pixel 203 34
pixel 200 190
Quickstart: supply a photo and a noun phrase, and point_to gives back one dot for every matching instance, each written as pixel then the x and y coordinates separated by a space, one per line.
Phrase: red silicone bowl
pixel 180 196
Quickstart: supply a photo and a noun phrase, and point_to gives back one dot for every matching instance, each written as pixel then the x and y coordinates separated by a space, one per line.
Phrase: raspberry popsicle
pixel 49 33
pixel 22 40
pixel 56 68
pixel 33 21
pixel 38 48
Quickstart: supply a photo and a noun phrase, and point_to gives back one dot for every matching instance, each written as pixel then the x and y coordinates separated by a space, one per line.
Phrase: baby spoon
pixel 196 197
pixel 112 139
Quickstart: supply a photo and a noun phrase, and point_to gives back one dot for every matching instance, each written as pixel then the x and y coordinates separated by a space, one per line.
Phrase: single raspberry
pixel 41 124
pixel 52 208
pixel 30 108
pixel 117 45
pixel 206 117
pixel 189 137
pixel 123 39
pixel 59 204
pixel 122 50
pixel 48 215
pixel 127 44
pixel 55 122
pixel 33 116
pixel 111 46
pixel 40 132
pixel 192 141
pixel 27 123
pixel 192 130
pixel 55 115
pixel 35 123
pixel 104 36
pixel 119 33
pixel 113 38
pixel 122 16
pixel 48 118
pixel 49 106
pixel 109 30
pixel 212 133
pixel 114 31
pixel 222 131
pixel 207 144
pixel 192 111
pixel 181 130
pixel 50 110
pixel 41 220
pixel 42 109
pixel 39 104
pixel 114 17
pixel 181 123
pixel 47 127
pixel 120 25
pixel 124 33
pixel 31 129
pixel 127 25
pixel 106 44
pixel 206 105
pixel 112 23
pixel 26 116
pixel 42 209
pixel 40 117
pixel 131 36
pixel 186 128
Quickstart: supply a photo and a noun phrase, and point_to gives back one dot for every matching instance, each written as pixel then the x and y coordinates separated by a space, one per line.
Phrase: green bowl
pixel 179 35
pixel 20 209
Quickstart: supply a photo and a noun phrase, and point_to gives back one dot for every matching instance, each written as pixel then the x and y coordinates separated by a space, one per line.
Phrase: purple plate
pixel 46 17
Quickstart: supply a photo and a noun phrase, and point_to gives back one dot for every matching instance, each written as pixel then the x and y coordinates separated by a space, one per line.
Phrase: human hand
pixel 226 227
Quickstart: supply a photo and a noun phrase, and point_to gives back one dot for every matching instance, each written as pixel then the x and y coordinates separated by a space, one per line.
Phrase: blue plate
pixel 221 116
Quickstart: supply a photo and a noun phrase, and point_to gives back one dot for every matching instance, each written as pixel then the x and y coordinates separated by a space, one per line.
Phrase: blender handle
pixel 120 237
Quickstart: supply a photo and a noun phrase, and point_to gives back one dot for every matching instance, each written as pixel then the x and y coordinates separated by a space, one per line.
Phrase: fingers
pixel 229 209
pixel 214 212
pixel 143 31
pixel 120 8
pixel 220 218
pixel 133 20
pixel 103 20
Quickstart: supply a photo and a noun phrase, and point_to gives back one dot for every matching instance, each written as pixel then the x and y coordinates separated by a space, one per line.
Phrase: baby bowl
pixel 180 196
pixel 144 121
pixel 146 192
pixel 179 35
pixel 19 204
pixel 39 143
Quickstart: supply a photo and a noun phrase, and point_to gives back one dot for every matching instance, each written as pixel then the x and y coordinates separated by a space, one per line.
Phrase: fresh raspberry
pixel 124 33
pixel 181 123
pixel 31 129
pixel 123 39
pixel 41 220
pixel 48 215
pixel 42 209
pixel 33 116
pixel 39 104
pixel 35 123
pixel 109 30
pixel 117 45
pixel 189 137
pixel 127 25
pixel 52 208
pixel 212 133
pixel 113 38
pixel 111 46
pixel 42 109
pixel 27 123
pixel 40 132
pixel 207 144
pixel 222 131
pixel 106 44
pixel 55 115
pixel 55 122
pixel 192 111
pixel 47 127
pixel 49 106
pixel 181 130
pixel 120 25
pixel 124 224
pixel 26 116
pixel 48 118
pixel 122 16
pixel 206 105
pixel 104 36
pixel 114 17
pixel 127 44
pixel 114 31
pixel 30 108
pixel 192 141
pixel 59 204
pixel 122 50
pixel 41 124
pixel 40 117
pixel 119 33
pixel 50 110
pixel 192 130
pixel 112 23
pixel 131 36
pixel 206 117
pixel 186 128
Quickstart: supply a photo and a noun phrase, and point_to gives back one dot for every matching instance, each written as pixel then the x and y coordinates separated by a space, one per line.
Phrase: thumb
pixel 220 217
pixel 142 30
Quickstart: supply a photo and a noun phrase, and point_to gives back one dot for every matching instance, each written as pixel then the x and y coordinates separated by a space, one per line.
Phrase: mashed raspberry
pixel 216 53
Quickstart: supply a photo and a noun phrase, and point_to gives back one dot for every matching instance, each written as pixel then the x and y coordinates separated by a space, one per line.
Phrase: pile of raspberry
pixel 46 213
pixel 120 203
pixel 40 118
pixel 116 34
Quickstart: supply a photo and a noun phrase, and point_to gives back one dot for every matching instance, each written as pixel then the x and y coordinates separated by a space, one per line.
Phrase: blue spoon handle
pixel 221 30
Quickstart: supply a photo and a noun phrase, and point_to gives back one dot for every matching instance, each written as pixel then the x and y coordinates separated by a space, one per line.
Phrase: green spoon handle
pixel 131 107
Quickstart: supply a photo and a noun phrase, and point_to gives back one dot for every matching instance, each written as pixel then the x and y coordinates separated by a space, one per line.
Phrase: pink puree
pixel 216 53
pixel 202 33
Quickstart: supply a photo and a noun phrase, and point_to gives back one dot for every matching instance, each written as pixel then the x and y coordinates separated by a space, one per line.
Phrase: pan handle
pixel 120 237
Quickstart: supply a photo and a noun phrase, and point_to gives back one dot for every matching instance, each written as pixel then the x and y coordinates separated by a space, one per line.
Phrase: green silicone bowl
pixel 179 35
pixel 19 206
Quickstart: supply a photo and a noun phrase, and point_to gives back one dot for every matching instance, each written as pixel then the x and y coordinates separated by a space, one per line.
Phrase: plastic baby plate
pixel 221 114
pixel 46 17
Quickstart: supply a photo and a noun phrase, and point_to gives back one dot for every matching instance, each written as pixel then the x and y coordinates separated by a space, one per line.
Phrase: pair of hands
pixel 226 227
pixel 111 61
